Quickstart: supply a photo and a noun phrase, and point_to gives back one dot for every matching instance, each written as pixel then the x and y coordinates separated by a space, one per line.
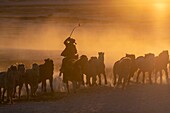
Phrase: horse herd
pixel 74 70
pixel 125 68
pixel 18 75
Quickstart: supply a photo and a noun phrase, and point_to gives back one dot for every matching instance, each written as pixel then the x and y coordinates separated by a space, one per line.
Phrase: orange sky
pixel 123 27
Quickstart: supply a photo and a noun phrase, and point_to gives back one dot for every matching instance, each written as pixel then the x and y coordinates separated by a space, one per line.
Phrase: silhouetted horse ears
pixel 101 53
pixel 48 59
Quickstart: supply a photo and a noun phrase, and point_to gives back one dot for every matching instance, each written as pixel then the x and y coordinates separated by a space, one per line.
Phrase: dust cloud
pixel 114 40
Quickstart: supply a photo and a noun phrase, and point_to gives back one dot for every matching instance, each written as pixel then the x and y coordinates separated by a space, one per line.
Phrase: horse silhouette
pixel 72 70
pixel 2 85
pixel 122 69
pixel 101 67
pixel 145 64
pixel 20 79
pixel 91 71
pixel 96 67
pixel 31 78
pixel 10 82
pixel 161 62
pixel 133 66
pixel 46 72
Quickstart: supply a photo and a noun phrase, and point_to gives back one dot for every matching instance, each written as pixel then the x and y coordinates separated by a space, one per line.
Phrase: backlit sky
pixel 115 27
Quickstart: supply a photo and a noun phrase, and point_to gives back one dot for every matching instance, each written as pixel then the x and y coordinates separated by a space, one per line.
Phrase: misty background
pixel 35 29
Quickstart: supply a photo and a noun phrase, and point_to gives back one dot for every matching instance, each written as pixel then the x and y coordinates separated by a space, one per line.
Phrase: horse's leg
pixel 20 88
pixel 119 80
pixel 0 95
pixel 51 84
pixel 160 76
pixel 124 82
pixel 137 78
pixel 128 79
pixel 99 75
pixel 88 79
pixel 11 95
pixel 143 77
pixel 94 80
pixel 14 91
pixel 115 79
pixel 156 72
pixel 166 73
pixel 67 87
pixel 45 90
pixel 105 78
pixel 27 90
pixel 74 86
pixel 8 99
pixel 3 94
pixel 31 87
pixel 82 79
pixel 150 78
pixel 42 86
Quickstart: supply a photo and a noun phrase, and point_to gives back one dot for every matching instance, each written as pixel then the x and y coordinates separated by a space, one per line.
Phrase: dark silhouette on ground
pixel 161 63
pixel 8 85
pixel 46 71
pixel 71 67
pixel 19 79
pixel 145 64
pixel 101 67
pixel 31 78
pixel 122 69
pixel 90 71
pixel 134 66
pixel 2 85
pixel 94 68
pixel 72 71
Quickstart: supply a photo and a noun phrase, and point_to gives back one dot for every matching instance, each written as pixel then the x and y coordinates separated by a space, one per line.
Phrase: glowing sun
pixel 160 6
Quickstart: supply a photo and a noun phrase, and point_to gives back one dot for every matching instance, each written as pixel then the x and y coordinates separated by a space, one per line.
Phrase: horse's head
pixel 84 59
pixel 149 56
pixel 21 68
pixel 101 56
pixel 35 68
pixel 12 72
pixel 164 56
pixel 132 56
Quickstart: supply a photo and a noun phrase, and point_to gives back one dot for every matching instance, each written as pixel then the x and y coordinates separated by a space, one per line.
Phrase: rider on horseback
pixel 70 51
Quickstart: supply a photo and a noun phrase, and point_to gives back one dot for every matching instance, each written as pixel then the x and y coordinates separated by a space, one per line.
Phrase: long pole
pixel 74 29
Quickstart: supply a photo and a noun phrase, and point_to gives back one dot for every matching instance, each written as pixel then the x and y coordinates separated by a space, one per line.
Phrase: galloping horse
pixel 122 68
pixel 46 72
pixel 95 68
pixel 91 70
pixel 134 66
pixel 145 64
pixel 161 63
pixel 20 78
pixel 31 77
pixel 73 70
pixel 10 82
pixel 101 67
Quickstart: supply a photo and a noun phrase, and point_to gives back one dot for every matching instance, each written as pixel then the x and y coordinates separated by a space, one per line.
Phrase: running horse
pixel 122 69
pixel 145 64
pixel 101 67
pixel 46 72
pixel 161 62
pixel 72 70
